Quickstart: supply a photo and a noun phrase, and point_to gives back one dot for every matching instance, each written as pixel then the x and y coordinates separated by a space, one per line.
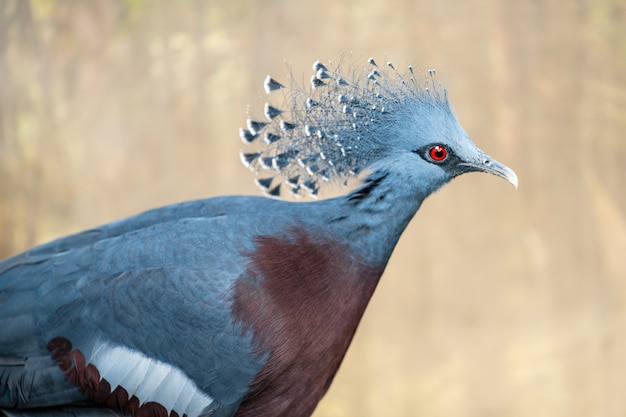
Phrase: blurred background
pixel 496 302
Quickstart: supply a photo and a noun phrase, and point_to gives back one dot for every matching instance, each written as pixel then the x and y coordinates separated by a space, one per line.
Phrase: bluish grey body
pixel 160 304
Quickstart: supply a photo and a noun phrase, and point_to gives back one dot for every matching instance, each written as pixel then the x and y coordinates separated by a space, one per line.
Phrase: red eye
pixel 438 153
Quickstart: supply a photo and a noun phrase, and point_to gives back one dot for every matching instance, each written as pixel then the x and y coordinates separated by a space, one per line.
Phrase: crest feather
pixel 336 127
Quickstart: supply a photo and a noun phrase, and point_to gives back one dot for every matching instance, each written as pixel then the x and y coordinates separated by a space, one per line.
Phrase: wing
pixel 134 315
pixel 75 411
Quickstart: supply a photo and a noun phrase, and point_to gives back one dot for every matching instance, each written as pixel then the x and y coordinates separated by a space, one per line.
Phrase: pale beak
pixel 491 166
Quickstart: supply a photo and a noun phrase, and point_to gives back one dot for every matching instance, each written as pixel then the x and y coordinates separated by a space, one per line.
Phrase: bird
pixel 240 305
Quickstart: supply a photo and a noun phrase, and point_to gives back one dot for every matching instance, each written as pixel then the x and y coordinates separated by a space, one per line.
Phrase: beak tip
pixel 491 166
pixel 512 178
pixel 502 171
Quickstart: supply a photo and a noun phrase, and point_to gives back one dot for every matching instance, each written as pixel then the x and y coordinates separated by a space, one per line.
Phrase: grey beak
pixel 491 166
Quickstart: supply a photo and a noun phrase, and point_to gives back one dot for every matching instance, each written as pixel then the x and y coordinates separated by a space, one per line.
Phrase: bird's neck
pixel 305 291
pixel 373 216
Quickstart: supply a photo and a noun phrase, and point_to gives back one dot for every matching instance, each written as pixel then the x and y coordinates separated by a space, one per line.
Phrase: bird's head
pixel 375 120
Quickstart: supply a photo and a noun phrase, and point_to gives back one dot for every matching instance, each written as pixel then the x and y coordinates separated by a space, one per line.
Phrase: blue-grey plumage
pixel 97 287
pixel 236 306
pixel 344 125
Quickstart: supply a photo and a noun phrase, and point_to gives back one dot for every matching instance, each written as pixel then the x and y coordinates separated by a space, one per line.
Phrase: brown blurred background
pixel 496 302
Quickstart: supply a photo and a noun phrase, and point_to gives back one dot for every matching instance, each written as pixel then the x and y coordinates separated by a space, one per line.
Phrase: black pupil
pixel 439 153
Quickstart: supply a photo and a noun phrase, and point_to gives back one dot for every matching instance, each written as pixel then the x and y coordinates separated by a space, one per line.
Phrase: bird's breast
pixel 302 297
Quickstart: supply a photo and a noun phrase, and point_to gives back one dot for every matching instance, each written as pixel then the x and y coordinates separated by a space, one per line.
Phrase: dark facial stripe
pixel 366 189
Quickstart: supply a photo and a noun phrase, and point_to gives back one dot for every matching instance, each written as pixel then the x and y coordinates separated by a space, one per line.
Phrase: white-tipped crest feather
pixel 335 128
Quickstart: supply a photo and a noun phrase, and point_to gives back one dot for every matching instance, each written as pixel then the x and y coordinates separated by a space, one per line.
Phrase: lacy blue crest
pixel 336 127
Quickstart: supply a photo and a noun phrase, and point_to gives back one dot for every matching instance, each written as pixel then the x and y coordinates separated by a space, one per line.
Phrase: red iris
pixel 438 153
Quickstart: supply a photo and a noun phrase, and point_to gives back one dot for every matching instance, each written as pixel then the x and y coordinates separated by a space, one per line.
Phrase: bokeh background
pixel 496 302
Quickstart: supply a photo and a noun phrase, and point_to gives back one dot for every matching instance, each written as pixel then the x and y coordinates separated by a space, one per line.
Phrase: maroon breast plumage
pixel 302 297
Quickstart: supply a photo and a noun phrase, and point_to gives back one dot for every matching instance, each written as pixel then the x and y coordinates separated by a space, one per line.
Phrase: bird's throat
pixel 374 216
